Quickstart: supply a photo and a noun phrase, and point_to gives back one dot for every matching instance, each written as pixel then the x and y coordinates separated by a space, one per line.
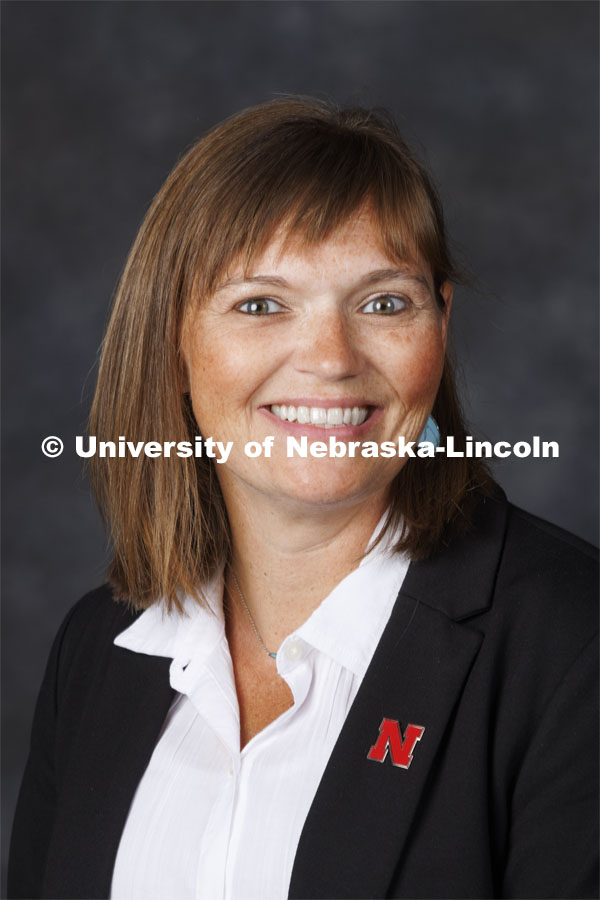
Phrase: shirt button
pixel 293 650
pixel 230 767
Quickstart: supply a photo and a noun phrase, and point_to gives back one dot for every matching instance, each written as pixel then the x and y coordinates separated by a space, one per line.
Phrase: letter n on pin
pixel 400 746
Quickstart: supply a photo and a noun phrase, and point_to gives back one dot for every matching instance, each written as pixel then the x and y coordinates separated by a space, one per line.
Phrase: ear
pixel 446 292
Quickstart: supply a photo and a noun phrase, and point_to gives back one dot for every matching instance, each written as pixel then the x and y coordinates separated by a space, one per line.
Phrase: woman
pixel 326 674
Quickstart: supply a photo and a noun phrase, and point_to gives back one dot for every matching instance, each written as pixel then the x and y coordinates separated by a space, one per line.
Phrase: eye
pixel 260 306
pixel 385 305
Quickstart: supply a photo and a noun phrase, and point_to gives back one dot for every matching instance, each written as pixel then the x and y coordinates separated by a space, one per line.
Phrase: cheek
pixel 212 355
pixel 223 374
pixel 208 382
pixel 416 363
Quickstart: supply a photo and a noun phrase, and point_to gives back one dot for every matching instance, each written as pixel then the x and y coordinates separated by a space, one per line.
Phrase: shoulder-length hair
pixel 306 165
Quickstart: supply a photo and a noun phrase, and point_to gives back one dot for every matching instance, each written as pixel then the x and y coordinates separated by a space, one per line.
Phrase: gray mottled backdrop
pixel 99 100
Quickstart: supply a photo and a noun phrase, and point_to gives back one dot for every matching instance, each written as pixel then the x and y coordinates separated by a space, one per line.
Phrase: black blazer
pixel 490 647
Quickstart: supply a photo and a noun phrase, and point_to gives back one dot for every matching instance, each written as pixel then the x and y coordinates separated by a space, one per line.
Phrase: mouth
pixel 322 416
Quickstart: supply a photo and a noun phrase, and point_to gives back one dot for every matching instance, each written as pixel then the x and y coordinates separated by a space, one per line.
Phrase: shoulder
pixel 90 627
pixel 540 625
pixel 529 587
pixel 98 616
pixel 547 575
pixel 533 543
pixel 508 558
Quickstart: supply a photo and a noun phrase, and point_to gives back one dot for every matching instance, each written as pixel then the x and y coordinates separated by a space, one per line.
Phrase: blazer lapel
pixel 123 718
pixel 363 810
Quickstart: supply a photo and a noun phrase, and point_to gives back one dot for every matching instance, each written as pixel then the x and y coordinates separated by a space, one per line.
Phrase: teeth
pixel 320 416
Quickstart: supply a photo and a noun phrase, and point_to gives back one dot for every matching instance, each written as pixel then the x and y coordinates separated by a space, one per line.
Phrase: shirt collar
pixel 346 626
pixel 179 636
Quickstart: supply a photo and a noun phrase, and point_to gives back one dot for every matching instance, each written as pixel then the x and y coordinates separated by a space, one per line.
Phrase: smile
pixel 330 417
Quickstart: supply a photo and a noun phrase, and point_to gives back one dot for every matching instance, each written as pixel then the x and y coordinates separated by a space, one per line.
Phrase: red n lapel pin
pixel 400 746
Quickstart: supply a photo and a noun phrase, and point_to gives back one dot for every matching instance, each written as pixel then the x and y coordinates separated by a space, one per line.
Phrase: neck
pixel 288 560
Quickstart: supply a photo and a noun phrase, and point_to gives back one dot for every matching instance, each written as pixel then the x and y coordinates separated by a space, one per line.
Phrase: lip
pixel 342 432
pixel 319 401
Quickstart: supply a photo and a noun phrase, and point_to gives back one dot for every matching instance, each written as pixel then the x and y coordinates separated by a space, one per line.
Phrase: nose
pixel 328 348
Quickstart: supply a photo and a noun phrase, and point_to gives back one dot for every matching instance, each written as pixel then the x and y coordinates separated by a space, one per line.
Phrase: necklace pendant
pixel 272 655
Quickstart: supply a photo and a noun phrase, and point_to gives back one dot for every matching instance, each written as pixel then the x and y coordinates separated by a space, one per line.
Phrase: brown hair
pixel 310 166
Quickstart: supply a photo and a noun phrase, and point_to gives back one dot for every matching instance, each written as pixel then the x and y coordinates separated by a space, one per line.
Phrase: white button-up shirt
pixel 208 820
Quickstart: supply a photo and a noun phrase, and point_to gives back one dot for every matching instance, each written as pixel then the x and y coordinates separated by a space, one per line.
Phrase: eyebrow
pixel 371 278
pixel 394 274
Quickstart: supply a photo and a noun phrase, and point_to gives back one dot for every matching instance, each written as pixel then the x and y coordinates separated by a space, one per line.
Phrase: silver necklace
pixel 252 622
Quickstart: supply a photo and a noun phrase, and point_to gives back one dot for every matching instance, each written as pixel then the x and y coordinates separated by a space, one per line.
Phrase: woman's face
pixel 337 334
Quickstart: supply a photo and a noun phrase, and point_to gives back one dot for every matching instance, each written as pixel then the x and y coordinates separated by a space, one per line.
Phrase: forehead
pixel 355 247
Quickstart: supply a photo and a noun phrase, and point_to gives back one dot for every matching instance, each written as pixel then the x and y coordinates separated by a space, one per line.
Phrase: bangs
pixel 308 179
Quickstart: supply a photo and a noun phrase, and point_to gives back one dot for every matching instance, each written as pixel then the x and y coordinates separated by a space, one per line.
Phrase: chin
pixel 329 487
